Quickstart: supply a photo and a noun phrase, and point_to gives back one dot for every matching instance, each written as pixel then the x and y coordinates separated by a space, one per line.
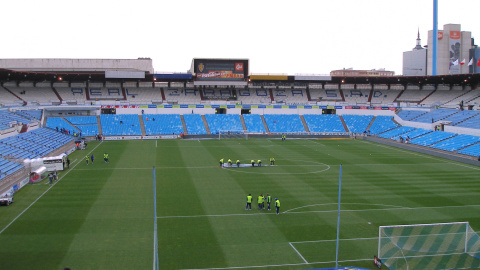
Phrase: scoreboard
pixel 220 69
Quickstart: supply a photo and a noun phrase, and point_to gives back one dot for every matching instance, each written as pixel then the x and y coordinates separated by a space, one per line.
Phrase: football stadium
pixel 107 165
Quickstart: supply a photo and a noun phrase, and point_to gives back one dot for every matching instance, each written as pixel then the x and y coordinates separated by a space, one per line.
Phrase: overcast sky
pixel 277 36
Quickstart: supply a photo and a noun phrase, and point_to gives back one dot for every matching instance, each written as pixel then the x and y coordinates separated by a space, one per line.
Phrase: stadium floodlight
pixel 429 246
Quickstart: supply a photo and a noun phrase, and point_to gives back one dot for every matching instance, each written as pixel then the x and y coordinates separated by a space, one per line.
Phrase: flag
pixel 455 63
pixel 463 62
pixel 478 62
pixel 471 62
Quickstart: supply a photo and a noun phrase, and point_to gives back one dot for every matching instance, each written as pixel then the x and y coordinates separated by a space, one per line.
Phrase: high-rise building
pixel 415 61
pixel 453 50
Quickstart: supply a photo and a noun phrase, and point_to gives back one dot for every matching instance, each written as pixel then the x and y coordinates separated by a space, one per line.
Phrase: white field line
pixel 299 254
pixel 19 215
pixel 325 211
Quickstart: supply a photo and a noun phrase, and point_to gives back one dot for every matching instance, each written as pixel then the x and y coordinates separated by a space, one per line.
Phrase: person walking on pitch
pixel 272 161
pixel 248 206
pixel 87 158
pixel 238 163
pixel 269 200
pixel 221 162
pixel 277 205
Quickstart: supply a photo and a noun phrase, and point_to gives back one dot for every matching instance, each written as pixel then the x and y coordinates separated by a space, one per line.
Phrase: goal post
pixel 232 134
pixel 426 246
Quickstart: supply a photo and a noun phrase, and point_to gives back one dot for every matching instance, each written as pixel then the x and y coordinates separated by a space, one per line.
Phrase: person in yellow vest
pixel 253 162
pixel 221 162
pixel 229 163
pixel 260 201
pixel 269 200
pixel 259 162
pixel 277 205
pixel 272 161
pixel 238 163
pixel 248 206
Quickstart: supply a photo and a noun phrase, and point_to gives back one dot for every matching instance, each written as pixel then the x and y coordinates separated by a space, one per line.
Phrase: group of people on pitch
pixel 259 162
pixel 92 158
pixel 261 202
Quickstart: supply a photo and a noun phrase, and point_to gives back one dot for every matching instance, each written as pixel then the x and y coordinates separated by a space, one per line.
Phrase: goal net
pixel 429 246
pixel 232 134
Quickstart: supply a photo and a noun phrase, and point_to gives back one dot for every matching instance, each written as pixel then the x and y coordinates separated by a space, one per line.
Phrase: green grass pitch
pixel 101 216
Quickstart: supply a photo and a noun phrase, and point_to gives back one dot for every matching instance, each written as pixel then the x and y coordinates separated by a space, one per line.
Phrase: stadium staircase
pixel 142 124
pixel 99 124
pixel 124 93
pixel 304 124
pixel 205 123
pixel 399 95
pixel 308 94
pixel 370 95
pixel 70 123
pixel 371 122
pixel 343 123
pixel 24 128
pixel 343 97
pixel 184 125
pixel 243 123
pixel 163 98
pixel 420 102
pixel 57 94
pixel 271 95
pixel 201 95
pixel 265 124
pixel 8 90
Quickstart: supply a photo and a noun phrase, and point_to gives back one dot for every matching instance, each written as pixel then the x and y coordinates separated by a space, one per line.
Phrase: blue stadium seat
pixel 194 123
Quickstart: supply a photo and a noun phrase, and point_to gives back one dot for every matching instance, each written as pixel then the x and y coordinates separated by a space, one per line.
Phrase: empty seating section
pixel 432 138
pixel 162 124
pixel 382 96
pixel 194 124
pixel 394 133
pixel 75 93
pixel 409 115
pixel 8 99
pixel 40 95
pixel 434 115
pixel 416 133
pixel 31 114
pixel 473 150
pixel 216 94
pixel 283 123
pixel 473 122
pixel 413 95
pixel 144 95
pixel 290 96
pixel 381 124
pixel 357 123
pixel 82 120
pixel 58 123
pixel 441 97
pixel 461 116
pixel 34 144
pixel 224 122
pixel 101 92
pixel 88 130
pixel 356 96
pixel 120 124
pixel 253 96
pixel 458 142
pixel 8 167
pixel 330 93
pixel 467 97
pixel 182 95
pixel 324 123
pixel 254 123
pixel 7 118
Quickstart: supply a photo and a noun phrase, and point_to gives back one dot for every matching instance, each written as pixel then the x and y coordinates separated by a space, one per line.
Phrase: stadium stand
pixel 440 97
pixel 40 95
pixel 383 96
pixel 473 150
pixel 357 123
pixel 182 96
pixel 290 96
pixel 73 94
pixel 395 133
pixel 432 138
pixel 254 123
pixel 144 94
pixel 381 124
pixel 7 99
pixel 413 95
pixel 194 124
pixel 125 124
pixel 253 96
pixel 472 122
pixel 409 115
pixel 415 133
pixel 283 123
pixel 58 123
pixel 162 124
pixel 461 116
pixel 330 93
pixel 8 167
pixel 324 123
pixel 434 115
pixel 7 118
pixel 30 114
pixel 224 122
pixel 456 143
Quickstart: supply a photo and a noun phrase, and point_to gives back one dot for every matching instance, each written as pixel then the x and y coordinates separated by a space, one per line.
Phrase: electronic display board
pixel 220 69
